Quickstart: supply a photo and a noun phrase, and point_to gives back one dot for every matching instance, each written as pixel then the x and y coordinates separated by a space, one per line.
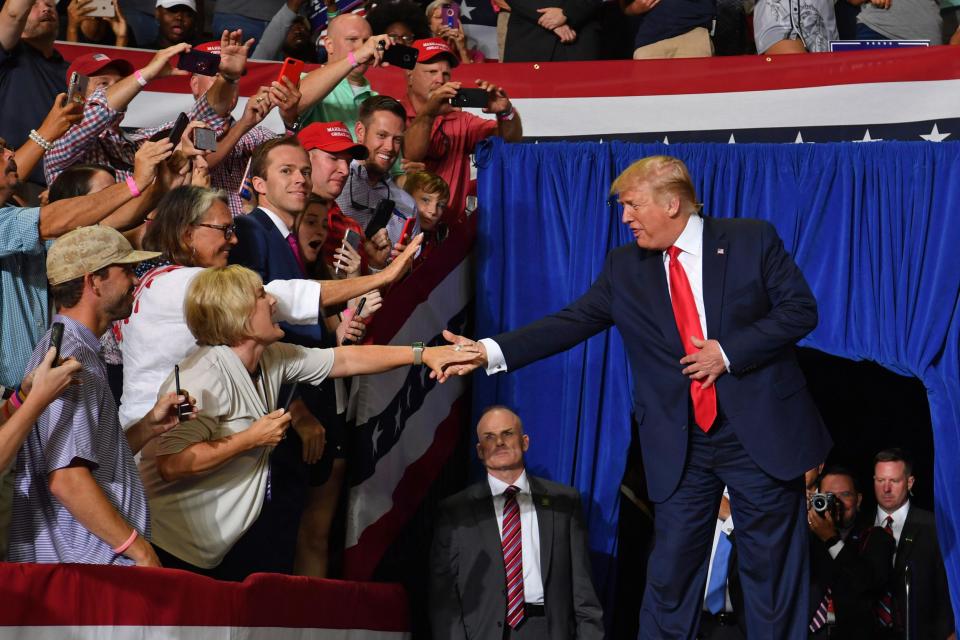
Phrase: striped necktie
pixel 884 606
pixel 820 615
pixel 513 557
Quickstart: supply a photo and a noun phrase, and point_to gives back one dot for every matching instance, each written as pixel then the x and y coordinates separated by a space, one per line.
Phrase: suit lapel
pixel 714 269
pixel 652 278
pixel 487 528
pixel 545 510
pixel 279 248
pixel 907 538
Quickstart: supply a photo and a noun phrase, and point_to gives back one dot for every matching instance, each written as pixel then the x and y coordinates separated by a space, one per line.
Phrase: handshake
pixel 461 367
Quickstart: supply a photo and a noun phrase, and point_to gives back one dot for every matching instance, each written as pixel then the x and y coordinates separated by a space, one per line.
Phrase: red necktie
pixel 292 241
pixel 688 323
pixel 884 607
pixel 513 557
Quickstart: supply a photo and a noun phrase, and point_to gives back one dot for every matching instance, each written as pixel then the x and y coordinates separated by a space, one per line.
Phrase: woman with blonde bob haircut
pixel 206 479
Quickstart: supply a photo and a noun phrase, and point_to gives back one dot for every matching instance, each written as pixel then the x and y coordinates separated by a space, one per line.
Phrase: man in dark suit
pixel 509 556
pixel 709 311
pixel 545 31
pixel 930 614
pixel 850 562
pixel 281 173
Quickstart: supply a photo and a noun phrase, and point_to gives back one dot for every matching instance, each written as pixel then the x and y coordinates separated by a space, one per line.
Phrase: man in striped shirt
pixel 78 494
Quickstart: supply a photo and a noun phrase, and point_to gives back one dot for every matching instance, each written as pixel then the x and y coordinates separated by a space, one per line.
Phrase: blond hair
pixel 219 304
pixel 664 174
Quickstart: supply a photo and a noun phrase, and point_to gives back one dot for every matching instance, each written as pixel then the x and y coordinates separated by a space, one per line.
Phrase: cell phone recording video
pixel 451 15
pixel 56 339
pixel 291 70
pixel 356 314
pixel 471 98
pixel 204 139
pixel 202 62
pixel 381 216
pixel 178 128
pixel 77 89
pixel 352 238
pixel 402 56
pixel 407 232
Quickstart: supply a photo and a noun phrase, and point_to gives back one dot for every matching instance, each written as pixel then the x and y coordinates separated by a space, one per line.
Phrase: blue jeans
pixel 866 33
pixel 231 21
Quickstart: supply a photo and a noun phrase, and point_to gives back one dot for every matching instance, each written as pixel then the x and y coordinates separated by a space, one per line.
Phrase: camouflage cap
pixel 88 249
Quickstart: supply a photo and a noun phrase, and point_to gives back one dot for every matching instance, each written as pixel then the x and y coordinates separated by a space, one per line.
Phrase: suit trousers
pixel 531 629
pixel 771 542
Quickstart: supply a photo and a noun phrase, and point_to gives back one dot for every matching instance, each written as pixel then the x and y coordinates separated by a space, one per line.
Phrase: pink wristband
pixel 126 545
pixel 347 314
pixel 132 185
pixel 140 79
pixel 353 59
pixel 16 399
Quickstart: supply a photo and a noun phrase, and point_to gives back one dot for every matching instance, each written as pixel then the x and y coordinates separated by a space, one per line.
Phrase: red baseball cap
pixel 91 64
pixel 432 48
pixel 332 137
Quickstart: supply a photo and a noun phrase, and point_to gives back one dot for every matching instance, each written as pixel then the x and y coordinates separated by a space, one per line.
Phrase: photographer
pixel 443 136
pixel 850 561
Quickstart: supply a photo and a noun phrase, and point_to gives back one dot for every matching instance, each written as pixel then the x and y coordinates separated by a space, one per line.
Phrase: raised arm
pixel 318 83
pixel 13 19
pixel 61 117
pixel 120 94
pixel 271 41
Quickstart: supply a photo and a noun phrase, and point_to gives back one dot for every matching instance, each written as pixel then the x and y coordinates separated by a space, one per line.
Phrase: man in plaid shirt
pixel 99 139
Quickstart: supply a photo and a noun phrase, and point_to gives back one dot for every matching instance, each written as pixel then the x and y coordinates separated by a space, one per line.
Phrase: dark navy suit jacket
pixel 261 247
pixel 757 304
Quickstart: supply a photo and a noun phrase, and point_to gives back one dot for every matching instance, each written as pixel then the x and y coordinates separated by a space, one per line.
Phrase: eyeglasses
pixel 229 230
pixel 365 207
pixel 396 38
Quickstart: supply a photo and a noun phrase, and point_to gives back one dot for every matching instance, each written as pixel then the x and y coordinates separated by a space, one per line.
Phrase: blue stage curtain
pixel 875 228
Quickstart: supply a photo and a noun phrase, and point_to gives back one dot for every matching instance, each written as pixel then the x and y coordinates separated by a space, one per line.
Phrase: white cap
pixel 169 4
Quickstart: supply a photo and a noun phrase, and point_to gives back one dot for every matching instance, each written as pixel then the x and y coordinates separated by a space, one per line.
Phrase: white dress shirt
pixel 899 519
pixel 690 243
pixel 529 534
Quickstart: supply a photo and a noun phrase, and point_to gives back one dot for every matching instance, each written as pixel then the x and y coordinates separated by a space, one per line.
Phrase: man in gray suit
pixel 509 556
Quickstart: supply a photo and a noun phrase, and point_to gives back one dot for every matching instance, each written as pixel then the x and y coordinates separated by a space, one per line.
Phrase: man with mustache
pixel 31 70
pixel 79 498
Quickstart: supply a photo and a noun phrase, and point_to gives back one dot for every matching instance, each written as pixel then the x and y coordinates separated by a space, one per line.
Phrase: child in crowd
pixel 431 193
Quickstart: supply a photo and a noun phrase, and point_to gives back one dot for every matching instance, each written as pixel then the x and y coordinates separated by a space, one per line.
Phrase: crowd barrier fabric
pixel 873 227
pixel 42 601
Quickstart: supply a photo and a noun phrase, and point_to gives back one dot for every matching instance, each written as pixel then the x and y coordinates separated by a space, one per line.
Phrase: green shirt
pixel 342 105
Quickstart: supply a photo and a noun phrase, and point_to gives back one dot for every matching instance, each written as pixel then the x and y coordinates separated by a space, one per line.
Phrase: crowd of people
pixel 187 402
pixel 536 32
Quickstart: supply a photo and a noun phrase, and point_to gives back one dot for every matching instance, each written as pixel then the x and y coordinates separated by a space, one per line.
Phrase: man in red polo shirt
pixel 442 136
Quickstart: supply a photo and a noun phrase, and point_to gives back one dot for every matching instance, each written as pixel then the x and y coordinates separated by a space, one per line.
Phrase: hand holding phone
pixel 56 339
pixel 402 56
pixel 407 232
pixel 203 63
pixel 471 98
pixel 184 409
pixel 451 15
pixel 291 70
pixel 352 238
pixel 178 128
pixel 356 314
pixel 204 139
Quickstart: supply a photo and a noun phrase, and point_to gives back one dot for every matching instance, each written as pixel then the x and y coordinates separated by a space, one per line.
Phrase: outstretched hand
pixel 476 351
pixel 439 359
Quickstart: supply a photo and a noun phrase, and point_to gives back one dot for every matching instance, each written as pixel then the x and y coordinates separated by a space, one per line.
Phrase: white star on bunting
pixel 666 140
pixel 732 140
pixel 935 135
pixel 466 10
pixel 867 138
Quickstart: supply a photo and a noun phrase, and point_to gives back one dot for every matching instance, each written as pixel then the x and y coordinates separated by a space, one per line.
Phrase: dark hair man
pixel 915 533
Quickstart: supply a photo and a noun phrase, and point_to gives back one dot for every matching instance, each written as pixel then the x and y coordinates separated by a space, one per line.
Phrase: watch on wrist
pixel 418 353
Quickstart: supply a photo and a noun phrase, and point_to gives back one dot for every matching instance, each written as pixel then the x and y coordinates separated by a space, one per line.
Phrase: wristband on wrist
pixel 417 353
pixel 353 60
pixel 132 185
pixel 126 545
pixel 332 14
pixel 42 142
pixel 17 399
pixel 505 116
pixel 228 78
pixel 138 74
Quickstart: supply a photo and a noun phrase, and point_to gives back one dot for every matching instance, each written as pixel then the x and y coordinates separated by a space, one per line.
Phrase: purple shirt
pixel 81 424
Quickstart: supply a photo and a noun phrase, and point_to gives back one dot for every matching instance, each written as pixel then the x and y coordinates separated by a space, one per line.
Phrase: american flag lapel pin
pixel 720 251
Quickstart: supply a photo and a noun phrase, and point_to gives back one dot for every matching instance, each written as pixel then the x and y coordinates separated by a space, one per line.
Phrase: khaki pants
pixel 692 44
pixel 503 17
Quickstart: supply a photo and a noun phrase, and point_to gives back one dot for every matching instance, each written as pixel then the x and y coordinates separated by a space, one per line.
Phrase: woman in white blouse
pixel 207 478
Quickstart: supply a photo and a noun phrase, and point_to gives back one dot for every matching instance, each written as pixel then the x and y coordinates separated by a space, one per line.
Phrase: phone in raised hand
pixel 352 238
pixel 356 314
pixel 184 408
